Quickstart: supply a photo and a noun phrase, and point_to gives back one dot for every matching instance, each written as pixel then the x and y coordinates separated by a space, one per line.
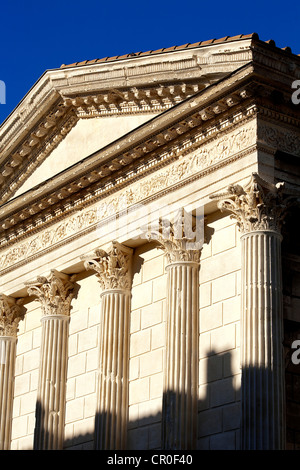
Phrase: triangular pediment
pixel 68 113
pixel 85 138
pixel 138 84
pixel 99 155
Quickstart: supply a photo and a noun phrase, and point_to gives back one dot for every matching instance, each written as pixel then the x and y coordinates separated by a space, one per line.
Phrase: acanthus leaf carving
pixel 260 205
pixel 54 292
pixel 201 159
pixel 178 239
pixel 11 313
pixel 113 267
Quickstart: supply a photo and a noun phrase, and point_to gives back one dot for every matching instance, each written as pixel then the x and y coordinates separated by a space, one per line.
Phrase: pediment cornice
pixel 24 155
pixel 177 131
pixel 63 96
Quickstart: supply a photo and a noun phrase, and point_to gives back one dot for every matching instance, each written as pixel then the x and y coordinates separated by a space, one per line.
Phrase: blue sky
pixel 36 36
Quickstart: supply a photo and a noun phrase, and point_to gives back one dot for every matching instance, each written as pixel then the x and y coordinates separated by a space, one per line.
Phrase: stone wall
pixel 147 349
pixel 219 368
pixel 26 378
pixel 82 365
pixel 219 371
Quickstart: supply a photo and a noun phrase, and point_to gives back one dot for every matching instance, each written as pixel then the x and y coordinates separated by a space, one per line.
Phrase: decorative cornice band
pixel 89 184
pixel 266 140
pixel 21 256
pixel 124 159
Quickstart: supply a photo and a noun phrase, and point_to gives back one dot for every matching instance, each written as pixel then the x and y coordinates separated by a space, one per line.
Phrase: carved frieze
pixel 54 292
pixel 279 139
pixel 113 267
pixel 205 158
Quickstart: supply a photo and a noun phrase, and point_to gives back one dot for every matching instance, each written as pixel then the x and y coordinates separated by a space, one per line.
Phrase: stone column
pixel 113 268
pixel 10 316
pixel 180 398
pixel 55 294
pixel 259 209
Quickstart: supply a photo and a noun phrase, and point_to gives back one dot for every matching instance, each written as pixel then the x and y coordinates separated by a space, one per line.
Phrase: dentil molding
pixel 184 168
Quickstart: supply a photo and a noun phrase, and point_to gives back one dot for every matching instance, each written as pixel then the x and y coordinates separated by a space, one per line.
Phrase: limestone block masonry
pixel 10 316
pixel 147 205
pixel 55 295
pixel 114 271
pixel 259 209
pixel 179 420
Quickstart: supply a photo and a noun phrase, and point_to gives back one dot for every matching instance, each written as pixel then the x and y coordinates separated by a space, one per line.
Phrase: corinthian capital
pixel 181 240
pixel 113 267
pixel 259 205
pixel 10 315
pixel 54 292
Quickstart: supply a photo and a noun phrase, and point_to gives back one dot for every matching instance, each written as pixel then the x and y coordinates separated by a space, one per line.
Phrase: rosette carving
pixel 178 239
pixel 54 292
pixel 113 267
pixel 260 205
pixel 11 313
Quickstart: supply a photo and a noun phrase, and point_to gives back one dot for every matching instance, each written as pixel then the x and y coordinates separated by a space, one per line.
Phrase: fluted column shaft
pixel 260 208
pixel 50 411
pixel 113 269
pixel 182 241
pixel 263 408
pixel 112 404
pixel 179 421
pixel 7 375
pixel 10 315
pixel 55 293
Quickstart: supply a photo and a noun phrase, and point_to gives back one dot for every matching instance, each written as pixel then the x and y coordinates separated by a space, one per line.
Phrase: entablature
pixel 109 88
pixel 152 145
pixel 208 117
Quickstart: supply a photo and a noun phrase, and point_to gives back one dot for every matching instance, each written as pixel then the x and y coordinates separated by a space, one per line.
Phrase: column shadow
pixel 219 414
pixel 219 406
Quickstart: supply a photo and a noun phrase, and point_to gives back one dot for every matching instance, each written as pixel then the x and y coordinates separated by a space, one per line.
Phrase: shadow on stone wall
pixel 218 415
pixel 291 305
pixel 219 406
pixel 219 411
pixel 292 386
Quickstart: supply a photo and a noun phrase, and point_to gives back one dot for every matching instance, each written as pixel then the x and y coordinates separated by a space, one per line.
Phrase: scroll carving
pixel 178 239
pixel 10 315
pixel 113 267
pixel 260 205
pixel 284 140
pixel 54 292
pixel 201 159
